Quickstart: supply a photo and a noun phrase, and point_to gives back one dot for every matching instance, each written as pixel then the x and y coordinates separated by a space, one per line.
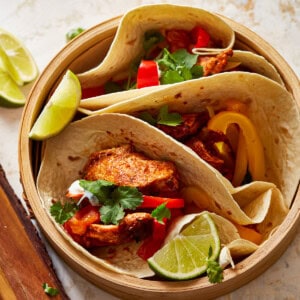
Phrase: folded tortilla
pixel 271 108
pixel 127 45
pixel 256 63
pixel 66 154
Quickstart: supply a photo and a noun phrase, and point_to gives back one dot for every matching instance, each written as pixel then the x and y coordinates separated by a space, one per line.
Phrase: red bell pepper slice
pixel 147 74
pixel 153 243
pixel 201 38
pixel 154 201
pixel 86 216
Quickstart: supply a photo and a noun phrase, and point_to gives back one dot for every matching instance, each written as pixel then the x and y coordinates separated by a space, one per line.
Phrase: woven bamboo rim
pixel 97 40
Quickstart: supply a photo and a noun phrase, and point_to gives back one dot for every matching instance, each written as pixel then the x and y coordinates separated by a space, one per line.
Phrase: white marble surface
pixel 42 26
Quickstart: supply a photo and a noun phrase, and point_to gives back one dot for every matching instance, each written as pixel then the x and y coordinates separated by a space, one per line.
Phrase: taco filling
pixel 218 137
pixel 119 189
pixel 126 197
pixel 123 196
pixel 167 58
pixel 160 44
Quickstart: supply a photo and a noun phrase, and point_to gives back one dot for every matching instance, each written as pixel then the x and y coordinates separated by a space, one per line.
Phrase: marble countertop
pixel 42 26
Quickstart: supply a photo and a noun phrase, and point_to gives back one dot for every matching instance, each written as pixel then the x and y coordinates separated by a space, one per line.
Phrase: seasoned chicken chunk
pixel 134 226
pixel 214 65
pixel 190 125
pixel 126 167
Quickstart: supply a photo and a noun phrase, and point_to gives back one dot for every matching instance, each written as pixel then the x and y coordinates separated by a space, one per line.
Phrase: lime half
pixel 186 255
pixel 10 93
pixel 59 110
pixel 21 65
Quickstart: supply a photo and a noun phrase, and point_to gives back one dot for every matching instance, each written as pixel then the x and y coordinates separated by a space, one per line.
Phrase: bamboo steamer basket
pixel 81 54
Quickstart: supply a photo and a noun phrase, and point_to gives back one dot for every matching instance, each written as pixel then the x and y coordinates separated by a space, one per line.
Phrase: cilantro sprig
pixel 214 270
pixel 161 212
pixel 164 117
pixel 178 66
pixel 63 212
pixel 174 67
pixel 114 200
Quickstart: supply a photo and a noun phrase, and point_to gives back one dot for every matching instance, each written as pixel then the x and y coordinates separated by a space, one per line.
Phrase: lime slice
pixel 21 64
pixel 186 255
pixel 10 93
pixel 59 110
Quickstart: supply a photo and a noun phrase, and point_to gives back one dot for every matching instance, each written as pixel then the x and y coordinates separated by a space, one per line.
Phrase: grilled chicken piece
pixel 189 126
pixel 198 146
pixel 125 167
pixel 204 144
pixel 135 226
pixel 214 65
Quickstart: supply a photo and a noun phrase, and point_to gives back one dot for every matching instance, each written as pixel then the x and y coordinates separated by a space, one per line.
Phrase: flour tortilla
pixel 257 64
pixel 271 108
pixel 127 45
pixel 66 154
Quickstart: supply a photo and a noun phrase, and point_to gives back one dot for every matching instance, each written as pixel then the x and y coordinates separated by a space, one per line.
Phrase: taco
pixel 74 153
pixel 170 34
pixel 244 61
pixel 269 113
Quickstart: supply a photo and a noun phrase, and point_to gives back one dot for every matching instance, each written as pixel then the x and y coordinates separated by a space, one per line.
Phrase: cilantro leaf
pixel 183 58
pixel 112 213
pixel 171 76
pixel 128 197
pixel 214 270
pixel 114 199
pixel 166 62
pixel 186 73
pixel 178 66
pixel 122 197
pixel 50 290
pixel 197 71
pixel 161 212
pixel 166 118
pixel 62 212
pixel 101 189
pixel 147 117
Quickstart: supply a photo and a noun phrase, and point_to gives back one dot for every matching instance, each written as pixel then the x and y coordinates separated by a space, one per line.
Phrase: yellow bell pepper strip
pixel 233 131
pixel 255 152
pixel 235 135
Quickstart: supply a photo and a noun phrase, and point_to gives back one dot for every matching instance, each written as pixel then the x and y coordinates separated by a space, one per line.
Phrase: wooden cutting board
pixel 24 262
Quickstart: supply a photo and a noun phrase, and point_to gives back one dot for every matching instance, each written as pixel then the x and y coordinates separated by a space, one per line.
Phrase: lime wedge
pixel 21 65
pixel 10 93
pixel 7 66
pixel 186 255
pixel 59 110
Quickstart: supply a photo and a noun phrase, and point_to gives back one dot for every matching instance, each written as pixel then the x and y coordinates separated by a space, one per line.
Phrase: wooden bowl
pixel 87 51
